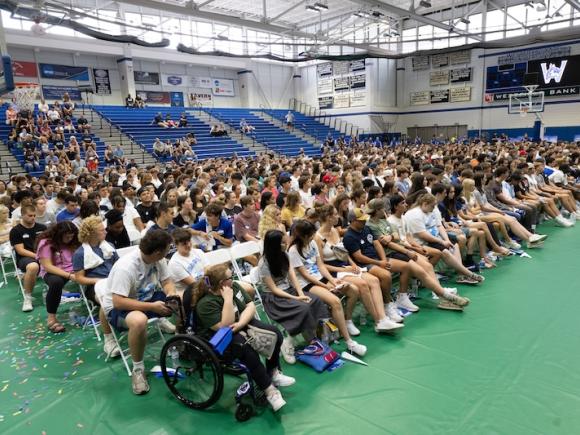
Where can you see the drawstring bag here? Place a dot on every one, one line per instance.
(261, 340)
(317, 355)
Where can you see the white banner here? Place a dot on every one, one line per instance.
(324, 86)
(420, 63)
(202, 82)
(460, 94)
(358, 98)
(439, 60)
(420, 98)
(199, 96)
(176, 80)
(460, 57)
(340, 68)
(439, 78)
(341, 100)
(223, 87)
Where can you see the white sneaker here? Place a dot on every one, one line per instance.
(166, 326)
(352, 330)
(403, 301)
(452, 290)
(563, 222)
(577, 213)
(139, 381)
(27, 304)
(281, 380)
(287, 350)
(514, 245)
(357, 348)
(392, 313)
(535, 238)
(572, 218)
(275, 399)
(111, 349)
(387, 324)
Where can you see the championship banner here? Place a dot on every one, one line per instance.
(202, 96)
(420, 63)
(176, 99)
(438, 78)
(324, 86)
(460, 75)
(102, 81)
(439, 60)
(223, 87)
(325, 102)
(358, 98)
(146, 78)
(358, 81)
(340, 68)
(324, 70)
(440, 96)
(459, 95)
(420, 98)
(357, 65)
(56, 92)
(24, 69)
(342, 100)
(176, 80)
(202, 82)
(459, 57)
(64, 72)
(155, 97)
(341, 84)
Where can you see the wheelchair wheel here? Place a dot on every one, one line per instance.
(192, 371)
(244, 412)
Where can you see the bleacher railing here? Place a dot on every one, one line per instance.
(340, 125)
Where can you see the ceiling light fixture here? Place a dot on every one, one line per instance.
(425, 3)
(312, 8)
(320, 5)
(464, 21)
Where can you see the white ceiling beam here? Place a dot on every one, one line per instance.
(574, 4)
(505, 11)
(290, 9)
(205, 3)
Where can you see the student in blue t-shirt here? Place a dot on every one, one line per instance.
(70, 210)
(216, 229)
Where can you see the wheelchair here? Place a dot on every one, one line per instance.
(194, 370)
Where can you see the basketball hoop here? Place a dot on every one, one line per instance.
(25, 94)
(524, 111)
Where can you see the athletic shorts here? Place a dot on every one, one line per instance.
(398, 256)
(437, 245)
(24, 262)
(309, 286)
(116, 317)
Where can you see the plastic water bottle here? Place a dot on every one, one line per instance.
(174, 355)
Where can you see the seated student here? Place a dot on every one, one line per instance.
(20, 199)
(313, 276)
(129, 101)
(159, 149)
(92, 262)
(215, 231)
(231, 207)
(70, 210)
(423, 221)
(292, 210)
(246, 223)
(83, 125)
(139, 103)
(145, 208)
(245, 127)
(221, 303)
(187, 265)
(116, 232)
(185, 216)
(545, 185)
(23, 240)
(183, 120)
(404, 262)
(55, 251)
(170, 122)
(327, 238)
(135, 291)
(285, 302)
(158, 120)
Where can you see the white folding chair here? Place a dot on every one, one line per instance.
(91, 308)
(242, 250)
(5, 256)
(219, 256)
(17, 272)
(100, 290)
(121, 252)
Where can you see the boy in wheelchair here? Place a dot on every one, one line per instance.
(220, 303)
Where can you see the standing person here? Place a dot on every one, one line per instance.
(92, 262)
(23, 240)
(313, 276)
(135, 291)
(221, 303)
(55, 250)
(289, 117)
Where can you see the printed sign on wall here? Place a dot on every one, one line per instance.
(56, 92)
(341, 84)
(176, 99)
(325, 102)
(324, 70)
(460, 75)
(146, 78)
(460, 57)
(439, 60)
(155, 97)
(102, 81)
(358, 98)
(440, 96)
(420, 63)
(325, 86)
(357, 65)
(439, 78)
(24, 69)
(420, 98)
(176, 80)
(358, 81)
(202, 82)
(223, 87)
(459, 95)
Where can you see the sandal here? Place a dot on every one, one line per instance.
(56, 327)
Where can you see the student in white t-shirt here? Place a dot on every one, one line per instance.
(423, 221)
(187, 265)
(313, 276)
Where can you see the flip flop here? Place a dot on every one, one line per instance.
(56, 327)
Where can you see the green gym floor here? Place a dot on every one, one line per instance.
(508, 365)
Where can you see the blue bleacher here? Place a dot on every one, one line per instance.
(275, 138)
(19, 153)
(136, 123)
(309, 124)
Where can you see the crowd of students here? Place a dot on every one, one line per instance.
(331, 227)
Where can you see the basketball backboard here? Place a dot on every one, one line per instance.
(6, 75)
(526, 102)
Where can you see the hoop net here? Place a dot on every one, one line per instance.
(524, 111)
(25, 94)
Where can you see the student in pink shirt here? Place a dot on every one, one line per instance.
(54, 252)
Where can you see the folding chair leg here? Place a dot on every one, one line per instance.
(3, 271)
(91, 318)
(121, 351)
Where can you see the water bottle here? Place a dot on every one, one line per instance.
(174, 355)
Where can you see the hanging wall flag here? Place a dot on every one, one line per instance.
(102, 81)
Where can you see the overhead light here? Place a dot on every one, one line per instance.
(464, 21)
(312, 8)
(425, 3)
(320, 5)
(557, 14)
(223, 37)
(358, 14)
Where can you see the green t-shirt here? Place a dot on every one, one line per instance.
(209, 309)
(380, 228)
